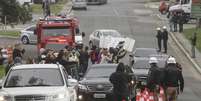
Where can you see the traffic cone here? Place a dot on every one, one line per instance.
(146, 94)
(161, 96)
(151, 96)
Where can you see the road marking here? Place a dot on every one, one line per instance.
(115, 11)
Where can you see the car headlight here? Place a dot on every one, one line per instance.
(5, 98)
(82, 87)
(59, 96)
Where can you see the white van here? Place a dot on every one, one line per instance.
(79, 4)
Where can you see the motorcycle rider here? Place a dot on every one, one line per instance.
(173, 79)
(120, 80)
(153, 80)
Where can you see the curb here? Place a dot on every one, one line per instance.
(11, 37)
(197, 67)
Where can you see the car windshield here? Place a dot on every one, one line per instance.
(111, 33)
(56, 31)
(144, 52)
(34, 77)
(98, 72)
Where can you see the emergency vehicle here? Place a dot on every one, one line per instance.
(55, 32)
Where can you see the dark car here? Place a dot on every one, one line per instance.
(141, 53)
(141, 67)
(95, 85)
(91, 2)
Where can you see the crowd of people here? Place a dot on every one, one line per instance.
(176, 18)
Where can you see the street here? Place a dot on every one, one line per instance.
(132, 19)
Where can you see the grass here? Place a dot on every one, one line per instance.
(188, 34)
(55, 8)
(2, 71)
(10, 33)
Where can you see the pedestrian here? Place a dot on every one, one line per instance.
(153, 79)
(159, 38)
(173, 79)
(93, 55)
(84, 59)
(171, 21)
(165, 38)
(180, 21)
(175, 21)
(120, 80)
(18, 51)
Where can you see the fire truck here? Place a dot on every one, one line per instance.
(56, 32)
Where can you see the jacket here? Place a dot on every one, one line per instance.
(159, 35)
(153, 77)
(165, 35)
(173, 77)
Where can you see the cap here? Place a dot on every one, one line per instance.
(171, 60)
(153, 60)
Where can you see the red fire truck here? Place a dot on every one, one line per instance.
(57, 32)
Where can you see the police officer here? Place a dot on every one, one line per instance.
(180, 21)
(120, 80)
(159, 38)
(165, 38)
(153, 80)
(173, 79)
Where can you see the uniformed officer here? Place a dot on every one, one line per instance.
(165, 38)
(159, 38)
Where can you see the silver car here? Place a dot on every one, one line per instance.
(27, 35)
(38, 82)
(94, 38)
(82, 4)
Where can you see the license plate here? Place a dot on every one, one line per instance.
(99, 95)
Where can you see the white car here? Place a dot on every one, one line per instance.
(94, 38)
(27, 35)
(79, 4)
(38, 82)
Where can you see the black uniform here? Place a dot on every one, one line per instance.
(153, 77)
(181, 21)
(174, 77)
(175, 21)
(120, 81)
(84, 59)
(159, 38)
(165, 40)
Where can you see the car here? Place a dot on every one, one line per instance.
(38, 82)
(82, 4)
(95, 84)
(141, 67)
(28, 36)
(141, 53)
(94, 38)
(90, 2)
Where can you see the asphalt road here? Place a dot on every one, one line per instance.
(132, 19)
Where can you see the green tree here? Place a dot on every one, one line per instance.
(14, 12)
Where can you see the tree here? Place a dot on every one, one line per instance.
(14, 12)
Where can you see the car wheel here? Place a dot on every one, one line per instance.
(25, 40)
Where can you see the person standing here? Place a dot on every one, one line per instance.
(120, 80)
(18, 51)
(84, 59)
(165, 38)
(159, 38)
(173, 79)
(153, 80)
(181, 21)
(175, 21)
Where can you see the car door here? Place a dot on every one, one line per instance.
(32, 36)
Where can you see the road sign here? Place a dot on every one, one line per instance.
(196, 9)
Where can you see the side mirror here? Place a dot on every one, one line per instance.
(83, 34)
(35, 32)
(72, 82)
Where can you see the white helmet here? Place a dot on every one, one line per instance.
(171, 60)
(158, 28)
(164, 27)
(153, 60)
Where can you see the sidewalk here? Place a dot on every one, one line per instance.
(66, 9)
(183, 43)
